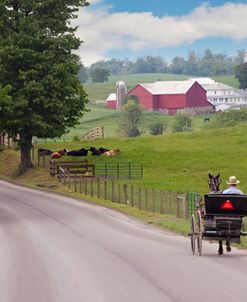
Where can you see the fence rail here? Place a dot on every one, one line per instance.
(97, 132)
(118, 170)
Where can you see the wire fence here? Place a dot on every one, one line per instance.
(180, 204)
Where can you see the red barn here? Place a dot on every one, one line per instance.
(111, 101)
(173, 97)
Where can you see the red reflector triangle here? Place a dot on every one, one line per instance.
(227, 205)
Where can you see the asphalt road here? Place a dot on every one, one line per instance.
(56, 249)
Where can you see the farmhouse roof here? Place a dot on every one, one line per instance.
(217, 86)
(241, 92)
(203, 80)
(168, 87)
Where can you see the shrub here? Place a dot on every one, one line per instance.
(182, 123)
(156, 129)
(133, 132)
(76, 138)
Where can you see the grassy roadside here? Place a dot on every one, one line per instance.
(39, 178)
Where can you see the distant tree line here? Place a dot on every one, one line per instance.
(209, 64)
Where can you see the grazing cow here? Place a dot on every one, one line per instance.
(44, 151)
(63, 152)
(95, 151)
(103, 150)
(59, 154)
(56, 155)
(80, 152)
(112, 152)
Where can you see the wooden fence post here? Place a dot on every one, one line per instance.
(98, 187)
(32, 153)
(91, 186)
(119, 193)
(80, 184)
(105, 189)
(129, 170)
(153, 200)
(126, 200)
(60, 175)
(146, 199)
(69, 182)
(132, 195)
(185, 206)
(139, 198)
(161, 202)
(85, 185)
(178, 205)
(112, 191)
(43, 157)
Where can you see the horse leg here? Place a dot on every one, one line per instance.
(220, 251)
(228, 247)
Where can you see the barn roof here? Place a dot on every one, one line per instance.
(168, 87)
(112, 97)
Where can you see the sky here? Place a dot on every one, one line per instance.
(128, 29)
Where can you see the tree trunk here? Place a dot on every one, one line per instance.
(25, 149)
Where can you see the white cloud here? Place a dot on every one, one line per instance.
(103, 32)
(94, 1)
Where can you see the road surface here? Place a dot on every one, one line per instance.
(57, 249)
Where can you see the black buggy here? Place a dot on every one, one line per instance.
(220, 218)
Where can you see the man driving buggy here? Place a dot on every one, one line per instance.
(232, 181)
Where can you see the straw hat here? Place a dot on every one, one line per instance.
(232, 180)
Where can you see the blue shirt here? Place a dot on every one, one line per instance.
(233, 190)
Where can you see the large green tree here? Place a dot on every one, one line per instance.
(241, 75)
(131, 117)
(100, 75)
(38, 66)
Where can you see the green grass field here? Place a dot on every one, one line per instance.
(179, 161)
(109, 119)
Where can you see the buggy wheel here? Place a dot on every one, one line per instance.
(199, 233)
(192, 234)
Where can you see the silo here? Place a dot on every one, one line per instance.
(121, 92)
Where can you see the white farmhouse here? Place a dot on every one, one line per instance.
(219, 93)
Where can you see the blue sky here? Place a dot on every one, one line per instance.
(168, 28)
